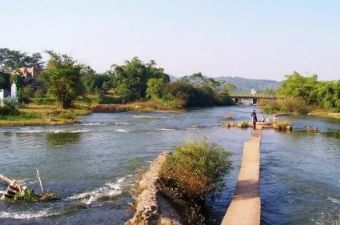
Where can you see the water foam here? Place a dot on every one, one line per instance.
(165, 129)
(122, 123)
(80, 131)
(110, 189)
(334, 200)
(30, 214)
(53, 131)
(30, 131)
(122, 131)
(91, 124)
(147, 117)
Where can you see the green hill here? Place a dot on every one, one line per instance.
(244, 84)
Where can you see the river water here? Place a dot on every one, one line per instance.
(93, 166)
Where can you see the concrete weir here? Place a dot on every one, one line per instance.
(245, 208)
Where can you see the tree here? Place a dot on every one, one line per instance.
(155, 89)
(11, 60)
(134, 75)
(328, 95)
(62, 78)
(325, 94)
(297, 85)
(4, 80)
(18, 80)
(228, 87)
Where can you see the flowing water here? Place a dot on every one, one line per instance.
(93, 166)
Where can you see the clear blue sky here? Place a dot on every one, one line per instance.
(253, 39)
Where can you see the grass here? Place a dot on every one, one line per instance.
(282, 125)
(243, 124)
(45, 111)
(29, 196)
(240, 124)
(139, 106)
(36, 114)
(325, 114)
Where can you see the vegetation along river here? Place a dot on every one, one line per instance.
(92, 166)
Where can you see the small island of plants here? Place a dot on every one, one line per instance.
(175, 188)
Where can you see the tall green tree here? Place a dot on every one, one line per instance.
(11, 60)
(324, 94)
(134, 75)
(62, 78)
(300, 86)
(156, 88)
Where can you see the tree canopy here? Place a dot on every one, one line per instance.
(131, 78)
(12, 59)
(325, 94)
(62, 78)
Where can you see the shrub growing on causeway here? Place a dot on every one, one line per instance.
(195, 169)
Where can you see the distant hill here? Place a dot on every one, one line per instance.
(244, 84)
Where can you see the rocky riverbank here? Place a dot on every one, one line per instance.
(151, 206)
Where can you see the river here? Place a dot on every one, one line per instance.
(93, 166)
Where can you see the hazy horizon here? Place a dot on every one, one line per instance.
(251, 39)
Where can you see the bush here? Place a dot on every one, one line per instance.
(282, 125)
(8, 110)
(107, 99)
(270, 106)
(294, 105)
(44, 101)
(25, 94)
(189, 95)
(288, 105)
(243, 124)
(223, 99)
(195, 169)
(66, 115)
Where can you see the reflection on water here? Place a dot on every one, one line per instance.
(332, 134)
(93, 165)
(62, 138)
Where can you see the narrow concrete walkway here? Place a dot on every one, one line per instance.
(245, 208)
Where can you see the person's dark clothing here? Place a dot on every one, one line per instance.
(253, 115)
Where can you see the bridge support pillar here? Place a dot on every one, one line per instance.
(255, 101)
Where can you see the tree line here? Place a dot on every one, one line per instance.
(67, 80)
(312, 92)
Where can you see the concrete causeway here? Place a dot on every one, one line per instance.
(245, 208)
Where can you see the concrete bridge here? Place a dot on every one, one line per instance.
(255, 99)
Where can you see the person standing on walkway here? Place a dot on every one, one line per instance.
(254, 118)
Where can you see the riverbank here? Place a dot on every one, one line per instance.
(52, 114)
(296, 106)
(325, 114)
(37, 115)
(138, 106)
(151, 206)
